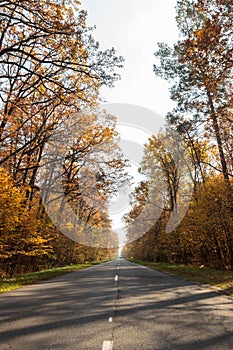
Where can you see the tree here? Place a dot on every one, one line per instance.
(51, 70)
(92, 168)
(20, 235)
(50, 67)
(200, 65)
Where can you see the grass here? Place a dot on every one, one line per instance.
(220, 279)
(8, 284)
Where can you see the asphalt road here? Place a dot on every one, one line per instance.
(117, 305)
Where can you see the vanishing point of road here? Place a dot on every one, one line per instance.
(116, 305)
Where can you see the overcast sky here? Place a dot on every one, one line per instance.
(133, 28)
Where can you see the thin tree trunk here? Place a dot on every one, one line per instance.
(218, 137)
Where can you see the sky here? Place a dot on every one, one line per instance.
(134, 28)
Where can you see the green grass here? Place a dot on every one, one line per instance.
(8, 284)
(221, 279)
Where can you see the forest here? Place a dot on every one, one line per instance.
(51, 74)
(199, 69)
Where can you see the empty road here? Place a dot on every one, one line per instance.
(116, 305)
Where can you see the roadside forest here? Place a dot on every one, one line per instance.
(199, 68)
(51, 73)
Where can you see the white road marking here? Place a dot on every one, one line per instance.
(116, 278)
(110, 319)
(118, 268)
(107, 345)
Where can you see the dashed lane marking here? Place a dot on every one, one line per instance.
(110, 319)
(116, 278)
(107, 345)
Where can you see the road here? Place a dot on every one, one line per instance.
(116, 305)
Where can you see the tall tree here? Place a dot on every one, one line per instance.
(200, 66)
(50, 66)
(51, 69)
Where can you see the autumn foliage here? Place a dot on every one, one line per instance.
(51, 72)
(199, 67)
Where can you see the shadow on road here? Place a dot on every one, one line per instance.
(154, 309)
